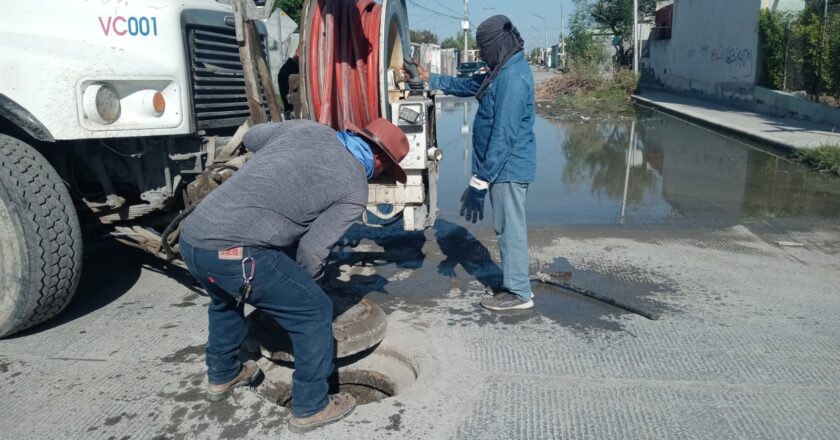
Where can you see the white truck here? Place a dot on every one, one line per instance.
(111, 117)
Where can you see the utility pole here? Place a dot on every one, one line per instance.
(823, 44)
(561, 23)
(562, 38)
(636, 37)
(466, 26)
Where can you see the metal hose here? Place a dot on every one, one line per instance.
(164, 239)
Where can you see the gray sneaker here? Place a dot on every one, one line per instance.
(492, 291)
(506, 301)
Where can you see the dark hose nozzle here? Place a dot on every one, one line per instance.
(415, 83)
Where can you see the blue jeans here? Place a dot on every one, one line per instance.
(282, 289)
(508, 202)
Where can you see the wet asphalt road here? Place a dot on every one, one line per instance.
(653, 211)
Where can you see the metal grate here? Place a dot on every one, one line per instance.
(218, 84)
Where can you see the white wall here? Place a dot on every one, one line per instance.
(713, 50)
(428, 55)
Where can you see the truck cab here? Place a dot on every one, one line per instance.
(107, 109)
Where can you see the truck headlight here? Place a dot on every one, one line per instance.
(101, 104)
(121, 104)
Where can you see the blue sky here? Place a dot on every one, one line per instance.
(442, 22)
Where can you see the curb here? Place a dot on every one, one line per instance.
(764, 141)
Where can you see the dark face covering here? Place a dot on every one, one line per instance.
(498, 40)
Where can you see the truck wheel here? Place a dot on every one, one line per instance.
(40, 239)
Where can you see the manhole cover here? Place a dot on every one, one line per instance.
(358, 325)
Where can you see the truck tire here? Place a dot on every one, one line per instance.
(40, 239)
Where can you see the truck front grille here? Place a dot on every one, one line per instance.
(218, 84)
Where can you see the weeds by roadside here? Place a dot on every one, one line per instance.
(825, 159)
(587, 93)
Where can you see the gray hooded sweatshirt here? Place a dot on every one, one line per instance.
(302, 187)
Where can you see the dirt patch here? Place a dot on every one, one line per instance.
(565, 85)
(830, 101)
(183, 304)
(111, 421)
(186, 355)
(396, 422)
(236, 418)
(582, 96)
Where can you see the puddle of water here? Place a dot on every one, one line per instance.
(654, 169)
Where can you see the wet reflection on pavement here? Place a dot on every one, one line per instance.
(651, 170)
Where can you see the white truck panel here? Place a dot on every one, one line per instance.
(50, 49)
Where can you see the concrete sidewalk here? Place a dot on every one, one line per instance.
(782, 133)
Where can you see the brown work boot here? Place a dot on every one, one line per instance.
(338, 407)
(249, 374)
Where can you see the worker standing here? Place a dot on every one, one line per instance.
(304, 187)
(504, 147)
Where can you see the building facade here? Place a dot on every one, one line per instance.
(707, 48)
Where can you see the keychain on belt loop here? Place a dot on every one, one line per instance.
(247, 277)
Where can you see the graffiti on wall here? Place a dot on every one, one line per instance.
(740, 61)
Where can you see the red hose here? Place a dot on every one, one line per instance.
(344, 61)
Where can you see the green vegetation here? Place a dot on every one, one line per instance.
(423, 37)
(773, 34)
(292, 8)
(593, 86)
(605, 16)
(807, 40)
(617, 16)
(583, 51)
(825, 159)
(457, 41)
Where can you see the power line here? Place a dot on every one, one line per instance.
(427, 9)
(445, 7)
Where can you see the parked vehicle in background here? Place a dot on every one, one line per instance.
(469, 69)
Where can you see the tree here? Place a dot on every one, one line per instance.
(583, 51)
(457, 42)
(292, 8)
(423, 37)
(617, 16)
(773, 35)
(534, 56)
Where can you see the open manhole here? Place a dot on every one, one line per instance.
(366, 386)
(369, 377)
(358, 325)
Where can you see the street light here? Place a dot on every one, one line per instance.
(545, 24)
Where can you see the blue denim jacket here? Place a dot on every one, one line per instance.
(503, 133)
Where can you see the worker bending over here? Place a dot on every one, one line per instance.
(504, 151)
(304, 187)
